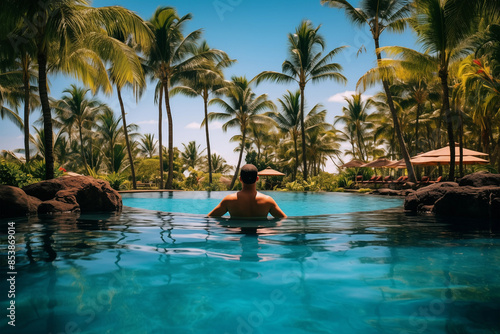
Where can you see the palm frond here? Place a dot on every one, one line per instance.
(184, 90)
(355, 15)
(272, 76)
(337, 77)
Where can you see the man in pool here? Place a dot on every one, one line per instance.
(248, 203)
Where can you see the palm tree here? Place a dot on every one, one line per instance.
(322, 140)
(379, 16)
(219, 164)
(442, 27)
(22, 61)
(323, 144)
(148, 145)
(108, 127)
(205, 82)
(357, 122)
(69, 36)
(306, 63)
(192, 156)
(170, 60)
(75, 110)
(480, 90)
(10, 95)
(241, 110)
(133, 77)
(288, 120)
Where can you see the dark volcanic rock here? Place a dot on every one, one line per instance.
(467, 201)
(477, 195)
(416, 200)
(495, 207)
(13, 202)
(44, 190)
(64, 194)
(481, 179)
(389, 192)
(80, 193)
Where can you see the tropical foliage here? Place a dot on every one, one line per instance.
(444, 91)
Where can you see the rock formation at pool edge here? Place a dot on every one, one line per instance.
(476, 195)
(64, 194)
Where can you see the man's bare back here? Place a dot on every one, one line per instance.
(248, 203)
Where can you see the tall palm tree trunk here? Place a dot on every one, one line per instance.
(170, 177)
(461, 144)
(26, 82)
(160, 136)
(443, 75)
(397, 128)
(80, 134)
(47, 117)
(205, 103)
(296, 150)
(235, 176)
(91, 148)
(303, 132)
(125, 131)
(417, 120)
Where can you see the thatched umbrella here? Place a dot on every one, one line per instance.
(382, 162)
(445, 151)
(270, 172)
(353, 163)
(445, 159)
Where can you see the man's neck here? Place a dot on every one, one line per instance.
(249, 187)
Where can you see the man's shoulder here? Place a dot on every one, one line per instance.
(230, 197)
(265, 197)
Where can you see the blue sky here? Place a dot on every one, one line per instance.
(255, 34)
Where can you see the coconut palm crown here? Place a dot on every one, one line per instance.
(242, 109)
(306, 63)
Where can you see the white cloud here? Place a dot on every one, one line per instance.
(339, 97)
(213, 125)
(193, 125)
(152, 121)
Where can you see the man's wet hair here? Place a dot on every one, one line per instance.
(248, 174)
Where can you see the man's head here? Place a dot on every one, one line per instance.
(248, 174)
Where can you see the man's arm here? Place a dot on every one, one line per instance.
(275, 210)
(219, 210)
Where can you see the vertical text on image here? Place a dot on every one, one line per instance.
(11, 273)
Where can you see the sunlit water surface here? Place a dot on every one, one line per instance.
(154, 272)
(292, 203)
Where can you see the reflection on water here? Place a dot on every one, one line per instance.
(154, 272)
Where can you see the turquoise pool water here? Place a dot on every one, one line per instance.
(145, 271)
(292, 203)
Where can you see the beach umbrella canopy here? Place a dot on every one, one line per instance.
(353, 163)
(382, 162)
(270, 172)
(444, 160)
(397, 164)
(445, 151)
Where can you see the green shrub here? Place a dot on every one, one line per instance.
(216, 185)
(483, 168)
(323, 182)
(344, 181)
(297, 185)
(115, 180)
(12, 175)
(37, 169)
